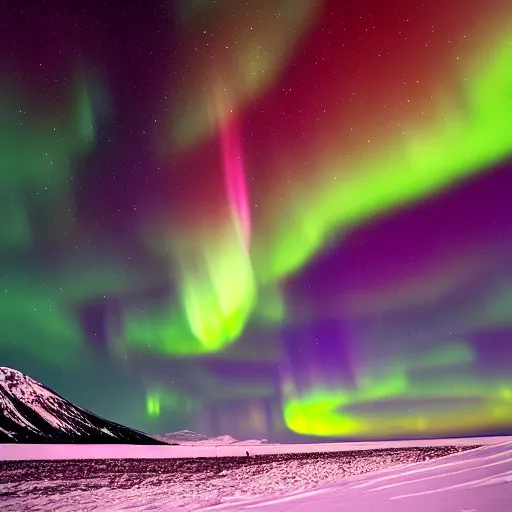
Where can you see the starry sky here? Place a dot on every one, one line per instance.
(282, 219)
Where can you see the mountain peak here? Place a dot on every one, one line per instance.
(13, 379)
(5, 372)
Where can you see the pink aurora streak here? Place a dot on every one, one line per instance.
(234, 177)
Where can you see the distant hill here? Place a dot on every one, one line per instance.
(191, 437)
(33, 413)
(182, 436)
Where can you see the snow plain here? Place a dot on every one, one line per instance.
(365, 477)
(214, 448)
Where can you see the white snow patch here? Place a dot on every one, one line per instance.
(10, 434)
(107, 431)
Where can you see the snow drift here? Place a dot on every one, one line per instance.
(479, 480)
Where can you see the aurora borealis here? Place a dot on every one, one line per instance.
(280, 219)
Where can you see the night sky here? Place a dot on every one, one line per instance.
(287, 219)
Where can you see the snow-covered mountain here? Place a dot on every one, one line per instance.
(32, 413)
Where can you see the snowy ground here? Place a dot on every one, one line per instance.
(475, 481)
(186, 483)
(422, 479)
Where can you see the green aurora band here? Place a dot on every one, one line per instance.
(471, 402)
(37, 182)
(465, 141)
(220, 291)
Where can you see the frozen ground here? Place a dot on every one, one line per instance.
(474, 481)
(419, 479)
(189, 484)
